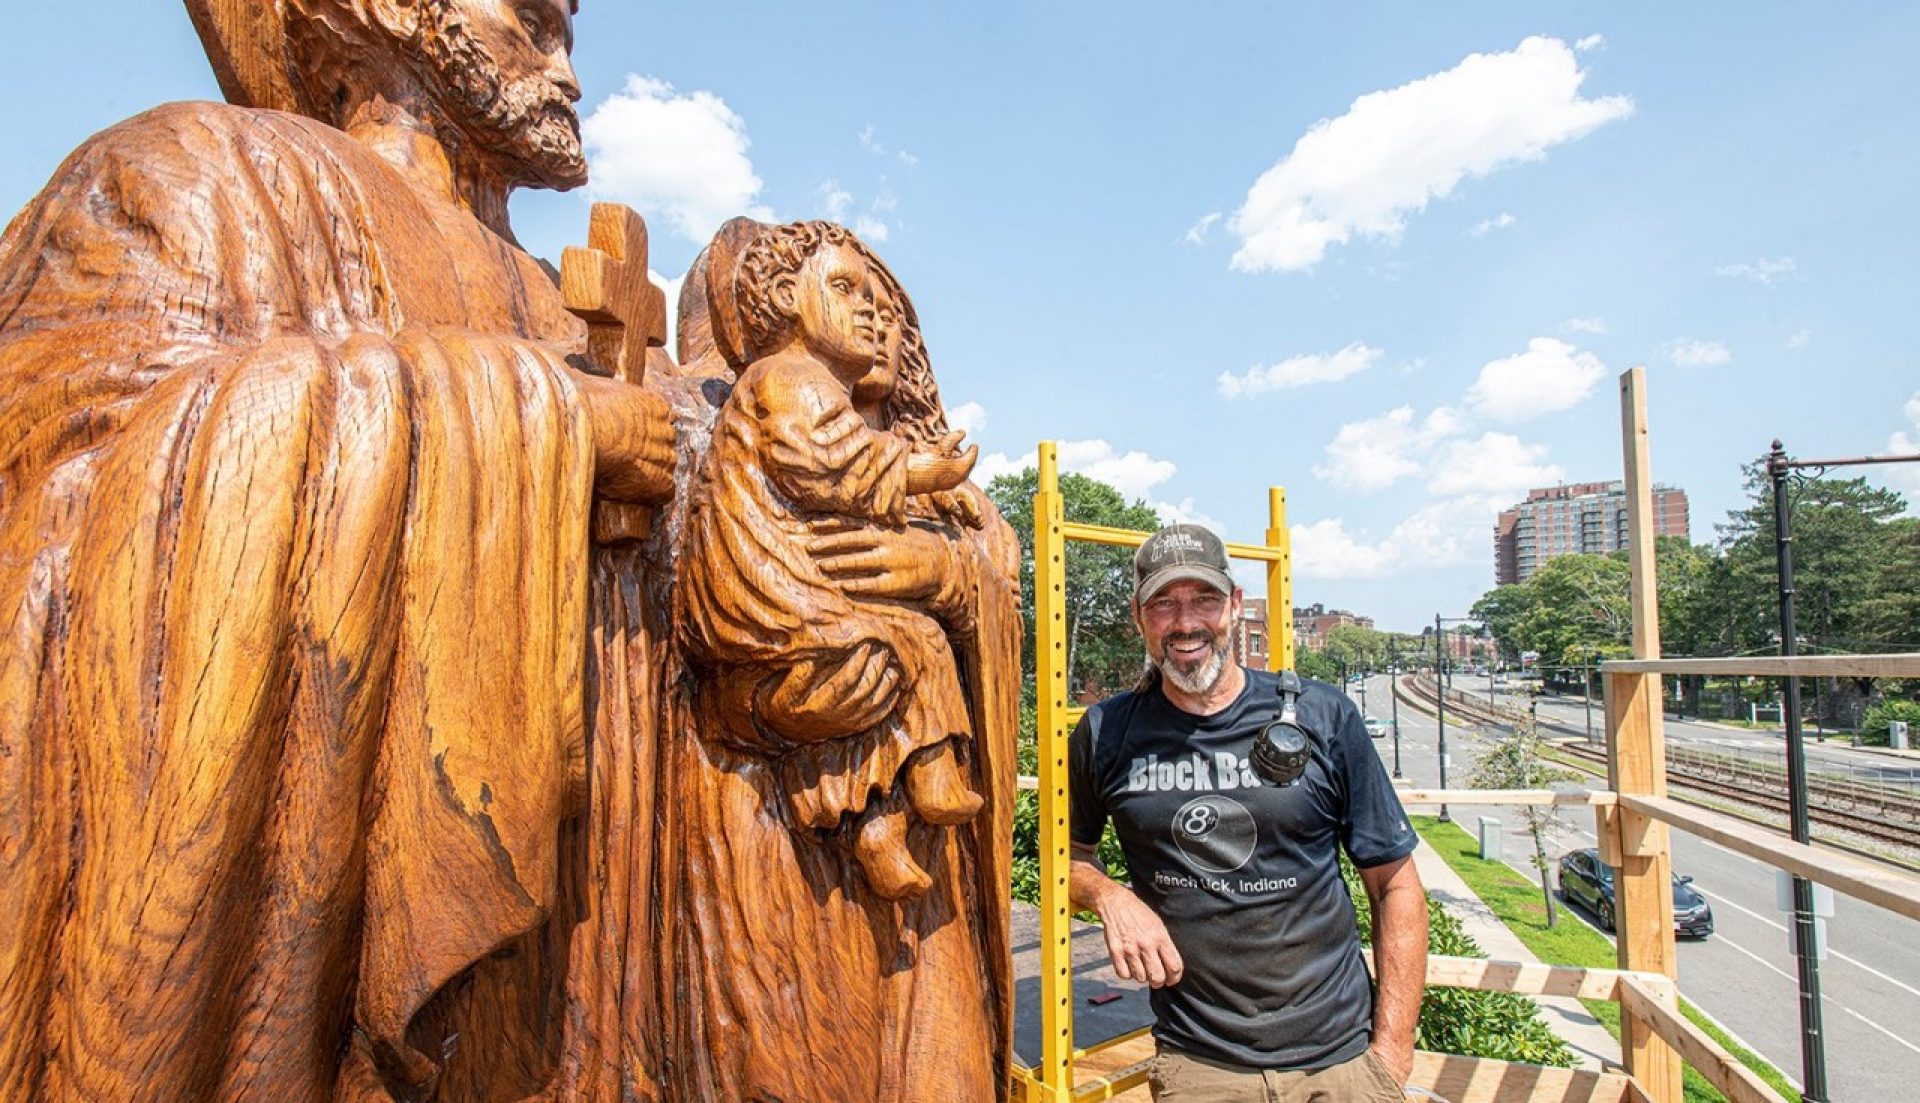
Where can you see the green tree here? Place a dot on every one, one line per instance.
(1515, 761)
(1891, 617)
(1357, 647)
(1502, 609)
(1103, 650)
(1842, 540)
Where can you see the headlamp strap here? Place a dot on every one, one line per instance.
(1289, 689)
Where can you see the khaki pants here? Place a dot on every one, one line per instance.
(1183, 1078)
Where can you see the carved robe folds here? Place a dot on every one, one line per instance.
(294, 579)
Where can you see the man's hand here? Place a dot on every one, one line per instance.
(1137, 940)
(1398, 1059)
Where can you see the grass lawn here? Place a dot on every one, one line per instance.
(1516, 900)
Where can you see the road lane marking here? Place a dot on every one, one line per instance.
(1848, 958)
(1876, 1026)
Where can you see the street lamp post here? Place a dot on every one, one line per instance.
(1393, 694)
(1586, 693)
(1440, 707)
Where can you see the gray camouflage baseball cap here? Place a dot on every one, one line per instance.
(1180, 552)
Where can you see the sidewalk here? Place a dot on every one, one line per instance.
(1590, 1041)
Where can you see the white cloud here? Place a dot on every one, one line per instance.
(1590, 42)
(1393, 151)
(1487, 225)
(1688, 352)
(681, 160)
(1197, 233)
(671, 287)
(836, 204)
(1905, 477)
(835, 201)
(1586, 325)
(1498, 465)
(1184, 512)
(1325, 549)
(969, 418)
(872, 145)
(1801, 338)
(1551, 375)
(1374, 453)
(1298, 371)
(1133, 474)
(1762, 271)
(1438, 534)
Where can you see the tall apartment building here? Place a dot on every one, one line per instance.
(1577, 517)
(1251, 636)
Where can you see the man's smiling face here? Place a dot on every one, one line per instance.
(1187, 626)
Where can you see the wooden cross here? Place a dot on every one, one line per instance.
(606, 285)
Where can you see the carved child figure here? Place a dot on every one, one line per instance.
(801, 448)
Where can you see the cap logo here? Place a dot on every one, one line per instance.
(1171, 542)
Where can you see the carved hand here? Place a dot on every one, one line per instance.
(819, 699)
(632, 440)
(902, 564)
(930, 471)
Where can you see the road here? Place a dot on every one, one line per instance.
(1743, 975)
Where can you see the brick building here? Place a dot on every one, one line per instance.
(1311, 625)
(1250, 637)
(1590, 518)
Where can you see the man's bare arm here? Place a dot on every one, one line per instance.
(1137, 940)
(1399, 959)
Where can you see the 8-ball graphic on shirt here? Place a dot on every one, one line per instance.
(1215, 833)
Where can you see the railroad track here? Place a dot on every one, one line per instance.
(1902, 830)
(1879, 812)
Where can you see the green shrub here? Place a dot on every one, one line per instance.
(1026, 831)
(1874, 731)
(1501, 1025)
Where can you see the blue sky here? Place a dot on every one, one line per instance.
(1391, 257)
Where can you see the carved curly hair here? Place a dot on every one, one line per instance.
(913, 409)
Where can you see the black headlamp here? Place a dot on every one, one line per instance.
(1281, 750)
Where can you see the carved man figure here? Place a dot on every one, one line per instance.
(294, 484)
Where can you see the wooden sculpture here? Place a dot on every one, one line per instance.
(381, 716)
(294, 571)
(846, 616)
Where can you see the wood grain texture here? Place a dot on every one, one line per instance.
(295, 474)
(842, 788)
(393, 703)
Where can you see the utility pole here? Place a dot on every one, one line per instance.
(1440, 706)
(1813, 1050)
(1586, 693)
(1393, 692)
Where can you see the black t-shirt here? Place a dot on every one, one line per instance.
(1245, 875)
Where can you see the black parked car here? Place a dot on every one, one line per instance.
(1587, 881)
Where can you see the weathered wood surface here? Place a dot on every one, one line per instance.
(342, 757)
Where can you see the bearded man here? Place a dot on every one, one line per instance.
(1237, 917)
(295, 473)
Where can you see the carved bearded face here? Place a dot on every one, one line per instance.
(500, 71)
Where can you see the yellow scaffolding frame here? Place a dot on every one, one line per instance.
(1052, 1081)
